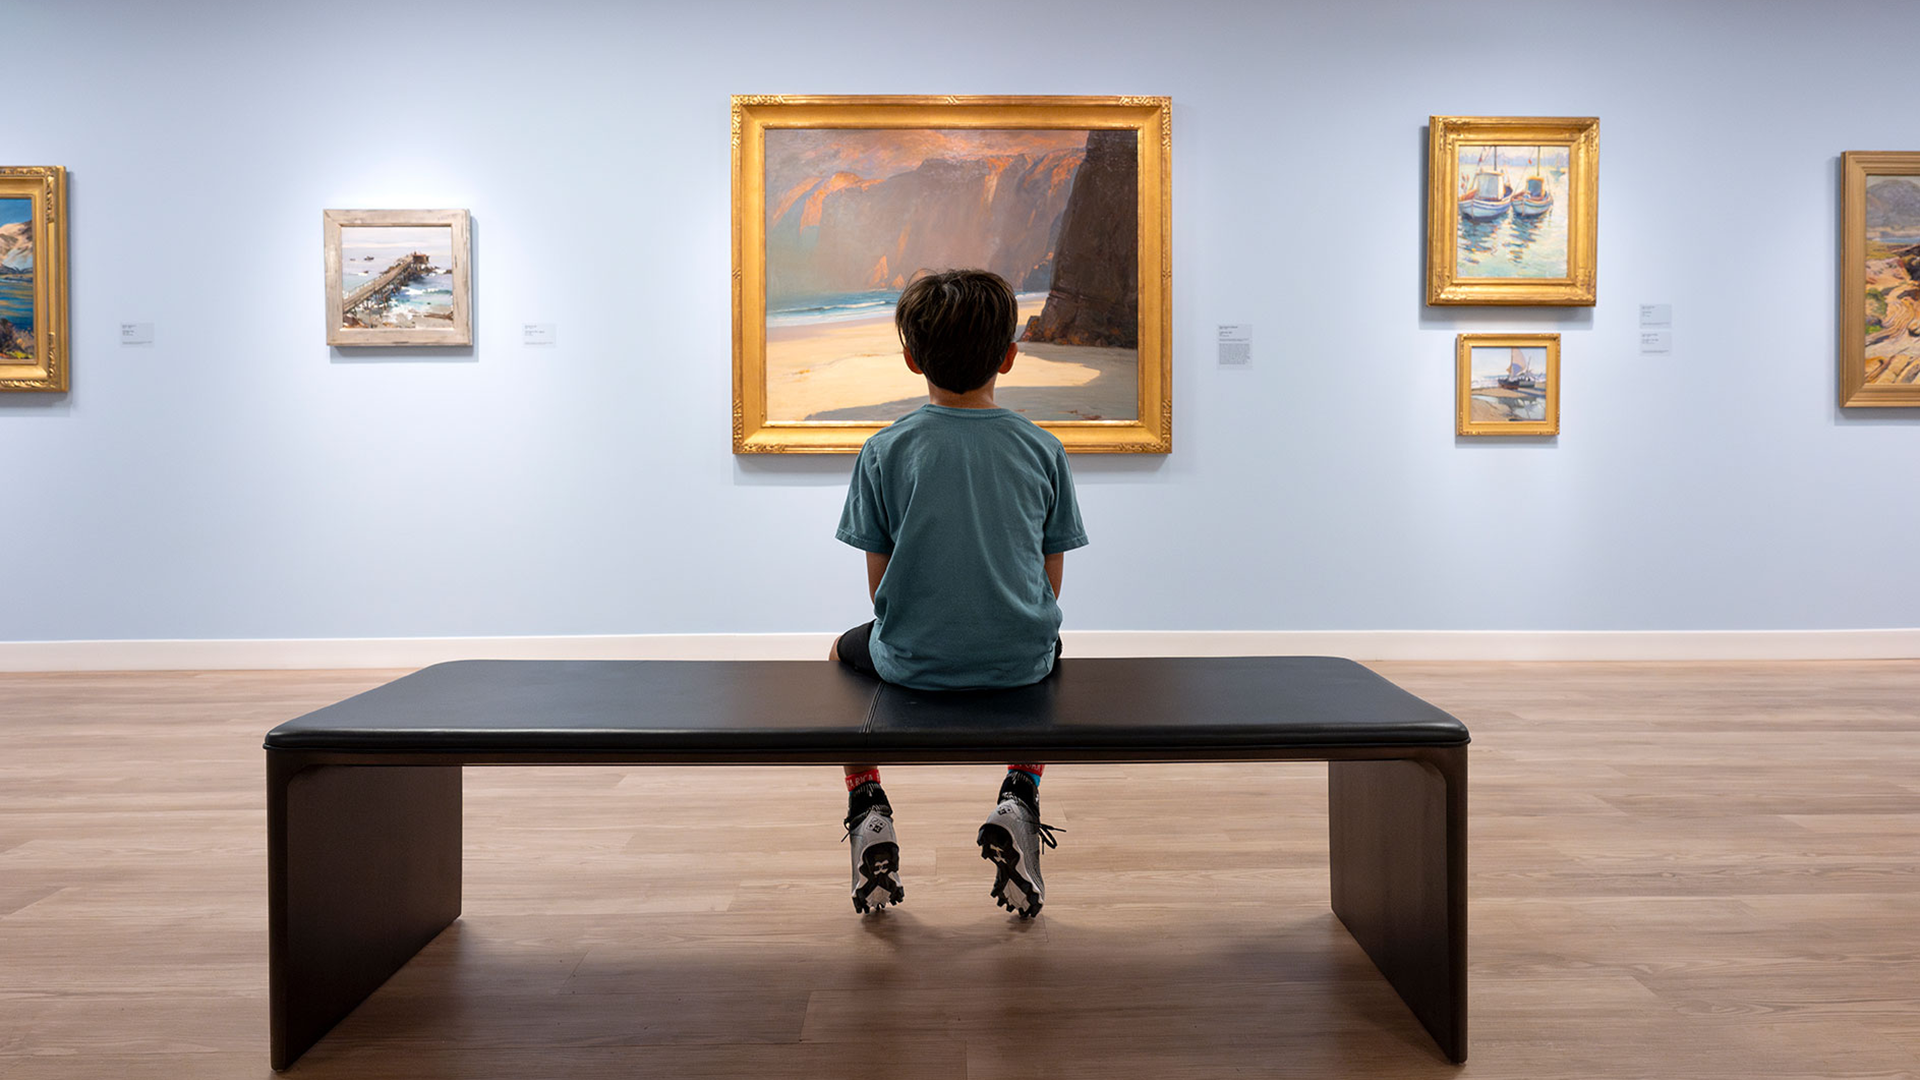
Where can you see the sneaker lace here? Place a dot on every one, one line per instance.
(1045, 832)
(852, 820)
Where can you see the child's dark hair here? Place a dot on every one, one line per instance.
(957, 325)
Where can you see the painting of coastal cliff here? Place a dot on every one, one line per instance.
(16, 281)
(1893, 280)
(1511, 211)
(851, 215)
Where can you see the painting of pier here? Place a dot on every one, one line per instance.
(397, 277)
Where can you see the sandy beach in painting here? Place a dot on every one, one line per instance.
(851, 370)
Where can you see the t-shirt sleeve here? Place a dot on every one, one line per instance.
(863, 521)
(1063, 530)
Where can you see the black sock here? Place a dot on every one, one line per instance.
(1022, 786)
(866, 797)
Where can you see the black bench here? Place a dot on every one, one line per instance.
(363, 797)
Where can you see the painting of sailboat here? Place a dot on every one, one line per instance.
(1534, 200)
(1508, 228)
(1488, 195)
(1508, 384)
(1512, 209)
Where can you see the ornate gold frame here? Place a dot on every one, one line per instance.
(753, 433)
(1855, 390)
(461, 333)
(1445, 136)
(1463, 346)
(46, 185)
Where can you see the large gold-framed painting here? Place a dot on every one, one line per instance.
(839, 201)
(33, 278)
(1880, 249)
(1512, 209)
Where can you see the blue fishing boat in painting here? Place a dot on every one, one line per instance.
(1534, 199)
(1489, 195)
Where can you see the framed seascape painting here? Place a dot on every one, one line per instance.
(33, 278)
(1507, 384)
(838, 202)
(1880, 274)
(397, 277)
(1512, 207)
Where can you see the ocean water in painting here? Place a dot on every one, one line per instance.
(403, 276)
(1512, 212)
(16, 279)
(852, 215)
(1507, 383)
(1893, 280)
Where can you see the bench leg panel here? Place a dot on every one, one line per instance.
(363, 867)
(1398, 850)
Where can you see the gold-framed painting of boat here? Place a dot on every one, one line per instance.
(1507, 384)
(1512, 209)
(1880, 267)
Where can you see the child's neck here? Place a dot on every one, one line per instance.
(980, 397)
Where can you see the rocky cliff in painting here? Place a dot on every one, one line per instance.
(1095, 296)
(15, 343)
(843, 233)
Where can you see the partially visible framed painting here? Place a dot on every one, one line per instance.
(397, 277)
(839, 201)
(1512, 209)
(33, 278)
(1507, 384)
(1880, 275)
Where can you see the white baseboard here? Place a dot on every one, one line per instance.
(1483, 645)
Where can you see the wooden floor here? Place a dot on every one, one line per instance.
(1678, 871)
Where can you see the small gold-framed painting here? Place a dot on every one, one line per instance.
(1507, 384)
(838, 202)
(1512, 209)
(397, 277)
(1880, 252)
(33, 278)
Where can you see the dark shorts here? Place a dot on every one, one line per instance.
(856, 650)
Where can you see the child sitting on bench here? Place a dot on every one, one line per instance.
(965, 511)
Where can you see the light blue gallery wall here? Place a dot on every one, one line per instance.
(238, 479)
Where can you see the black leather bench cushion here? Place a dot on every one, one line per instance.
(762, 708)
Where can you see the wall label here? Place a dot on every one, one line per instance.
(1656, 342)
(136, 333)
(1236, 344)
(1655, 315)
(537, 333)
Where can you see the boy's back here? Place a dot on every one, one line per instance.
(967, 503)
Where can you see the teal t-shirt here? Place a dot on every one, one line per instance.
(966, 502)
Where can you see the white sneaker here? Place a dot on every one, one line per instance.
(1011, 840)
(876, 860)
